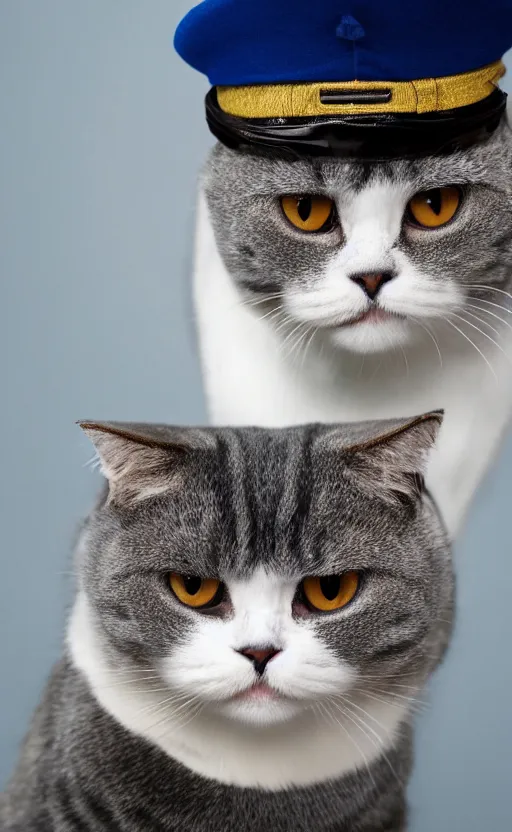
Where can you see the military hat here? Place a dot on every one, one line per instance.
(370, 79)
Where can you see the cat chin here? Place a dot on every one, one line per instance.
(261, 714)
(372, 338)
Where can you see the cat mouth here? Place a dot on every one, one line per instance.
(374, 315)
(259, 692)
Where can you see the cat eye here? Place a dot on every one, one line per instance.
(330, 592)
(434, 208)
(196, 592)
(309, 213)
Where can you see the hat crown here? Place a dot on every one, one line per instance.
(240, 42)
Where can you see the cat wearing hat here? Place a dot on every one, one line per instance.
(354, 232)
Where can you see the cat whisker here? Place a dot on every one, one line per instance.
(417, 703)
(299, 343)
(479, 351)
(348, 700)
(376, 370)
(491, 303)
(168, 704)
(388, 679)
(482, 321)
(295, 328)
(387, 697)
(492, 314)
(196, 712)
(260, 301)
(294, 347)
(127, 682)
(486, 288)
(289, 352)
(93, 463)
(148, 689)
(181, 723)
(432, 336)
(178, 726)
(332, 717)
(394, 350)
(252, 303)
(389, 701)
(385, 681)
(300, 347)
(308, 344)
(130, 676)
(287, 321)
(274, 313)
(124, 679)
(461, 318)
(378, 741)
(405, 360)
(360, 724)
(128, 670)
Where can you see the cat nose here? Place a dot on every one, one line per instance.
(372, 282)
(259, 658)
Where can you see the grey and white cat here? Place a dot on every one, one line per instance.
(257, 613)
(289, 332)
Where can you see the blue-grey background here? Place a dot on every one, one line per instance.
(101, 138)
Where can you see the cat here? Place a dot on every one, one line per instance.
(257, 612)
(372, 316)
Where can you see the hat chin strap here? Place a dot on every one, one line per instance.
(373, 137)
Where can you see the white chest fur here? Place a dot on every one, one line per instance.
(251, 379)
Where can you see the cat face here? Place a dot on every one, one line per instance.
(371, 255)
(259, 574)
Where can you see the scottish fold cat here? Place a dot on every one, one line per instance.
(329, 290)
(257, 613)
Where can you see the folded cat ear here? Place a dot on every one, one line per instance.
(141, 461)
(390, 458)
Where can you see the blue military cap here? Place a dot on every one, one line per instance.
(365, 78)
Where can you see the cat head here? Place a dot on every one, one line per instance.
(258, 573)
(374, 256)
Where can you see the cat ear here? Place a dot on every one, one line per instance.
(390, 458)
(141, 461)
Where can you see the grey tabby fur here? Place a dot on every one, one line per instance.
(223, 503)
(267, 257)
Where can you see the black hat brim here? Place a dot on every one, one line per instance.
(370, 137)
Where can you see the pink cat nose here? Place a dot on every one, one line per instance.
(259, 658)
(372, 282)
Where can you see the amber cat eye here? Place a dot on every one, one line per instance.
(434, 208)
(331, 592)
(309, 213)
(196, 592)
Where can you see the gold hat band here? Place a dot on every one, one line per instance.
(360, 97)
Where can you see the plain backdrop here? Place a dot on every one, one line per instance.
(102, 135)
